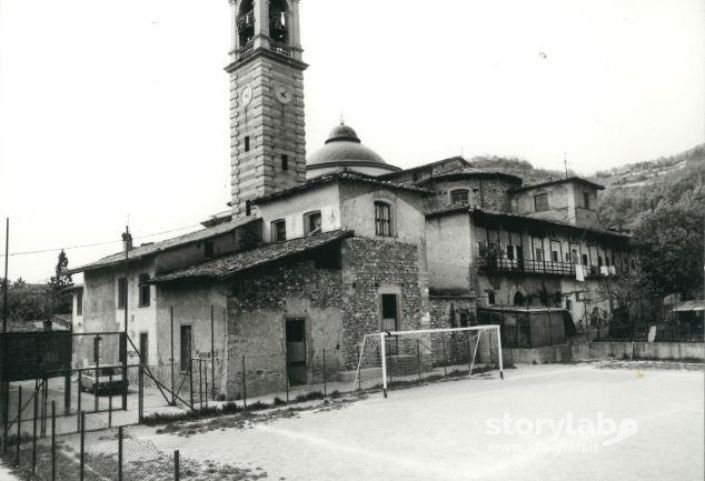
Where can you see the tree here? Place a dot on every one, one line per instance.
(669, 245)
(60, 281)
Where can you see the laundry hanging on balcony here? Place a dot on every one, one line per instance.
(580, 273)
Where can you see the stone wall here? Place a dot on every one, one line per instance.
(370, 268)
(339, 299)
(452, 312)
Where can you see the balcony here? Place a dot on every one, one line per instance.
(503, 265)
(488, 265)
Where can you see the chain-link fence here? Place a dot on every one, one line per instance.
(94, 453)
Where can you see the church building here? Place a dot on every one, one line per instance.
(318, 250)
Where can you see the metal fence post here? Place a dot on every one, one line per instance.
(173, 396)
(78, 409)
(469, 355)
(359, 373)
(45, 400)
(445, 359)
(244, 383)
(190, 380)
(34, 431)
(418, 358)
(53, 441)
(177, 471)
(96, 386)
(200, 382)
(205, 380)
(120, 437)
(110, 401)
(83, 445)
(325, 377)
(19, 424)
(213, 352)
(140, 393)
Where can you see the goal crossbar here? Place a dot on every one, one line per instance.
(383, 335)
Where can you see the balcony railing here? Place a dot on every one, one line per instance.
(490, 264)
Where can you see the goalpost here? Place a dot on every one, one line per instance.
(399, 357)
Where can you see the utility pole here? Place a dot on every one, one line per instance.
(127, 242)
(6, 285)
(4, 384)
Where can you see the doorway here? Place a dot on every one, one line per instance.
(185, 348)
(144, 348)
(296, 351)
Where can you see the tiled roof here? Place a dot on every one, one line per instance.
(561, 180)
(345, 176)
(225, 267)
(156, 247)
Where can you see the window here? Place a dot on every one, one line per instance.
(383, 219)
(585, 259)
(208, 250)
(575, 256)
(312, 223)
(459, 196)
(285, 162)
(278, 230)
(541, 202)
(599, 261)
(510, 252)
(491, 300)
(247, 143)
(569, 304)
(539, 254)
(79, 302)
(390, 317)
(185, 347)
(586, 199)
(144, 290)
(482, 248)
(555, 256)
(122, 293)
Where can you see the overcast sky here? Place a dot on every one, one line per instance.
(114, 108)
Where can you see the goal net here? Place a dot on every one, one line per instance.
(389, 359)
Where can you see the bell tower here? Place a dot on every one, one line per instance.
(267, 127)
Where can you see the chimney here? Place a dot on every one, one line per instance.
(126, 240)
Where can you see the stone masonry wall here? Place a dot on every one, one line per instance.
(370, 267)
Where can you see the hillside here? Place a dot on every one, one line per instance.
(633, 190)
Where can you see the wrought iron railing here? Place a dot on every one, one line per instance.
(489, 264)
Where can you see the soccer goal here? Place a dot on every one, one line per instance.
(407, 357)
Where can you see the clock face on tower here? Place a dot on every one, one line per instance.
(283, 94)
(246, 95)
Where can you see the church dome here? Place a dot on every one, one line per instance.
(343, 150)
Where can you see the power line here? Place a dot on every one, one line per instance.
(97, 244)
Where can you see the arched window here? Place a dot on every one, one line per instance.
(383, 219)
(246, 23)
(459, 196)
(278, 22)
(519, 299)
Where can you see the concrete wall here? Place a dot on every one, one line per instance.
(566, 203)
(191, 304)
(449, 251)
(669, 351)
(292, 210)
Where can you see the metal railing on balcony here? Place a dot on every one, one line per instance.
(490, 264)
(280, 48)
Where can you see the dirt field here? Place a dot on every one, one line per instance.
(634, 421)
